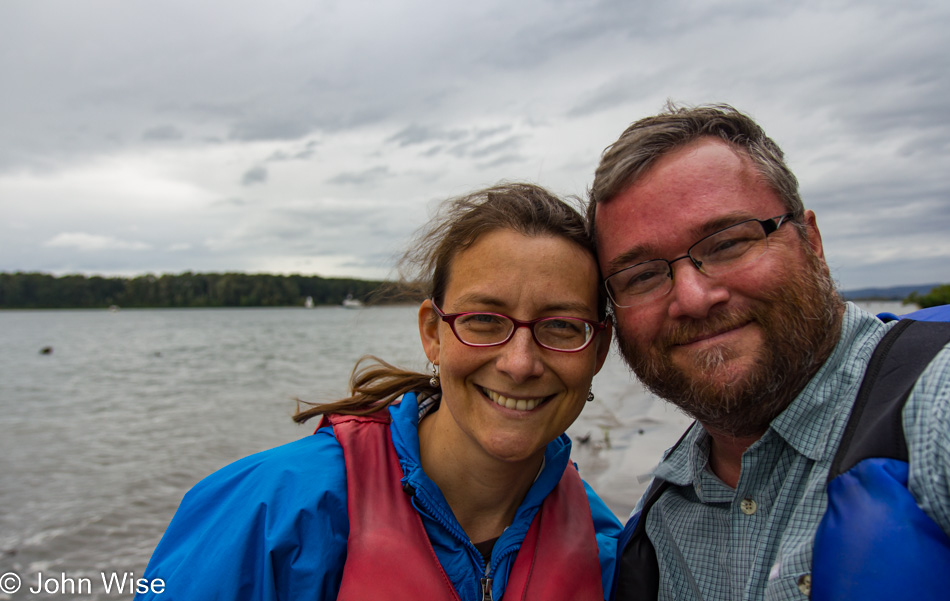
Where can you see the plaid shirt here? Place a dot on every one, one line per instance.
(755, 542)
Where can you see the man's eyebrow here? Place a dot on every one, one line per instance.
(722, 222)
(645, 252)
(630, 257)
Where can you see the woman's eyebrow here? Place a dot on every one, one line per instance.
(569, 307)
(477, 298)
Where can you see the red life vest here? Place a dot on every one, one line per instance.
(389, 555)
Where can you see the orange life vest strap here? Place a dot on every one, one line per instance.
(562, 545)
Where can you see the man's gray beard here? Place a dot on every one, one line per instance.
(801, 323)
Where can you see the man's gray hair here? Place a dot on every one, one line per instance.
(646, 140)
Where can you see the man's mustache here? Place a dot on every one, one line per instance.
(685, 332)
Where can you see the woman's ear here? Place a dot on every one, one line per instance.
(429, 331)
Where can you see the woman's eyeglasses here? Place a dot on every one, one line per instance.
(564, 334)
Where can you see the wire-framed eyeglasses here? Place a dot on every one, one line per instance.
(563, 334)
(717, 254)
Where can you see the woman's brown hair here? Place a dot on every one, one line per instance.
(426, 266)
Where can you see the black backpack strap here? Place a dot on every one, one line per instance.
(638, 572)
(875, 428)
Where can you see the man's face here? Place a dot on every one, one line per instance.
(734, 350)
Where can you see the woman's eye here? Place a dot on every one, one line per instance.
(563, 327)
(484, 318)
(480, 320)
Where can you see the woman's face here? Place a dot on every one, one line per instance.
(524, 277)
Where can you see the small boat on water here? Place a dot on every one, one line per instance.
(351, 303)
(308, 304)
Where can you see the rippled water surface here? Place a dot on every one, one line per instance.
(102, 436)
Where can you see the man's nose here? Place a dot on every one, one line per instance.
(694, 293)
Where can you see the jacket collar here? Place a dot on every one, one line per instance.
(405, 434)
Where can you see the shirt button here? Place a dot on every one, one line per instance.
(747, 506)
(804, 584)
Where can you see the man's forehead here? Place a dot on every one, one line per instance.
(635, 241)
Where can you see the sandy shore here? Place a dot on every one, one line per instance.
(621, 435)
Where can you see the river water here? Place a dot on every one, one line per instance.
(104, 434)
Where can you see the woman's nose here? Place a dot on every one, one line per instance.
(520, 357)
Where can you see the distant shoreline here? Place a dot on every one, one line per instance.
(22, 290)
(35, 290)
(892, 293)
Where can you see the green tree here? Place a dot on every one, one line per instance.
(939, 295)
(22, 290)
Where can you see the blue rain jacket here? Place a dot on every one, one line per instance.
(274, 525)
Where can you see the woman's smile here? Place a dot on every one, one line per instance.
(521, 403)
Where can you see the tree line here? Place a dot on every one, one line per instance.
(940, 295)
(44, 291)
(22, 290)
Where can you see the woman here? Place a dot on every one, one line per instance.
(450, 485)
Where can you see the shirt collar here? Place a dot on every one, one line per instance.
(807, 423)
(687, 458)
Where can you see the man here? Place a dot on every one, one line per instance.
(724, 306)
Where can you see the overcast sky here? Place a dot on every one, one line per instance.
(314, 137)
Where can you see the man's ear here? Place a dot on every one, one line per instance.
(429, 331)
(813, 235)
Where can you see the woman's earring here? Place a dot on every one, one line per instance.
(590, 395)
(434, 380)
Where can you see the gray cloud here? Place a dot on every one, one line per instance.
(163, 133)
(500, 161)
(299, 153)
(505, 145)
(366, 177)
(272, 128)
(417, 134)
(85, 242)
(475, 143)
(229, 202)
(255, 175)
(606, 97)
(128, 121)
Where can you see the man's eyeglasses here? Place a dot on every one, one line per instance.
(564, 334)
(717, 254)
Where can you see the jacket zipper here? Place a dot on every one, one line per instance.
(486, 586)
(486, 581)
